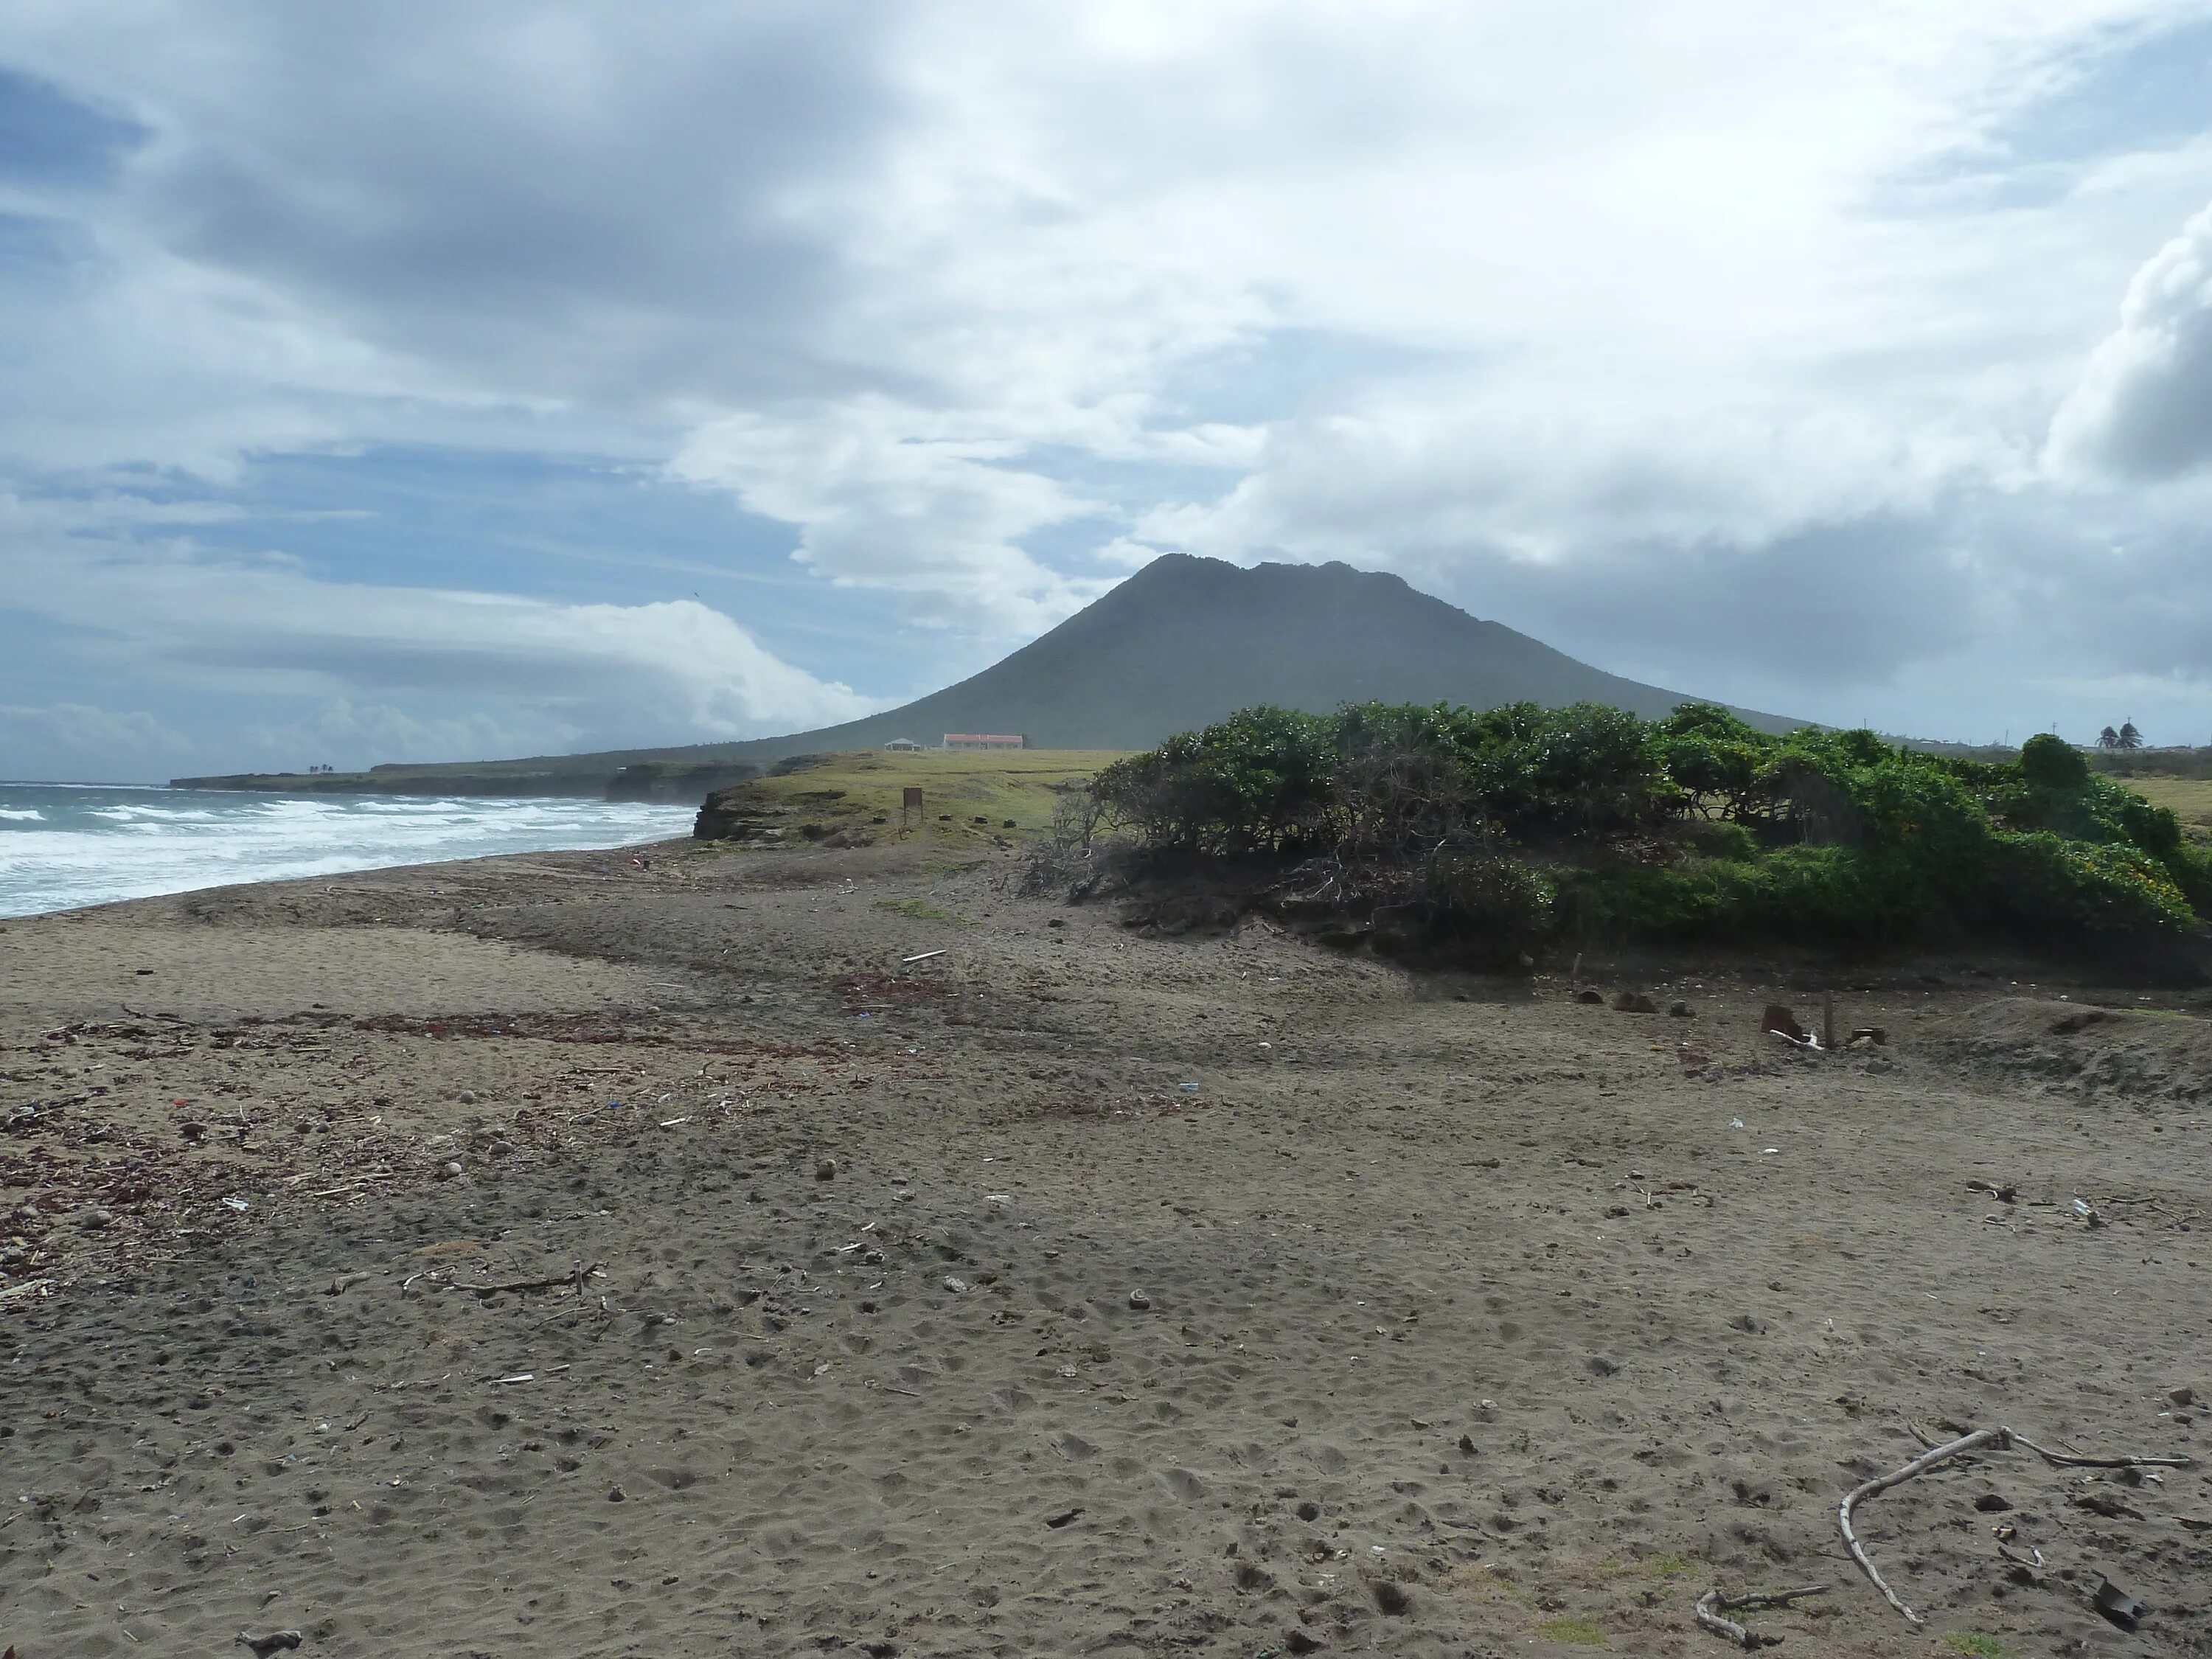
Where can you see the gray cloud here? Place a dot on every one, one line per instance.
(546, 199)
(1841, 605)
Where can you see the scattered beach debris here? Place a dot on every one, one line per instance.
(1712, 1606)
(575, 1278)
(2119, 1604)
(1996, 1439)
(1781, 1020)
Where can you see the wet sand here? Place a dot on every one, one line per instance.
(1073, 1291)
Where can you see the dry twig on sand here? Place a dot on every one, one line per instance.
(1996, 1439)
(1712, 1605)
(576, 1276)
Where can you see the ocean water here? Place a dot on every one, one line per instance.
(66, 844)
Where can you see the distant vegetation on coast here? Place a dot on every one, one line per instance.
(1498, 832)
(970, 798)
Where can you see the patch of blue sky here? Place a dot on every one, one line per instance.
(567, 530)
(2141, 91)
(2127, 92)
(37, 247)
(49, 138)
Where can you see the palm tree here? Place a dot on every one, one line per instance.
(2130, 738)
(2108, 738)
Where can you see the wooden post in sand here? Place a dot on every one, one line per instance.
(910, 808)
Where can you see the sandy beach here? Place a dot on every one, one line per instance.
(544, 1256)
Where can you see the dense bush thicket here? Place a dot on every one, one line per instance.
(1507, 827)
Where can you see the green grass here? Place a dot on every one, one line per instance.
(848, 791)
(2189, 799)
(1667, 1566)
(916, 909)
(1582, 1633)
(1973, 1642)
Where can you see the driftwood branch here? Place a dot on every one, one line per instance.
(1712, 1605)
(2069, 1461)
(576, 1276)
(1996, 1439)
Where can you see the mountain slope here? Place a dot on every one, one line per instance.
(1187, 641)
(1184, 642)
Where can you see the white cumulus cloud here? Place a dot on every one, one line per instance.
(2143, 409)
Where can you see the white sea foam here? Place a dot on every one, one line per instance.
(62, 846)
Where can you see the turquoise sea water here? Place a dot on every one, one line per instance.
(63, 845)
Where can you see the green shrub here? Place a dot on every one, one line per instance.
(1565, 773)
(1718, 838)
(1694, 826)
(2048, 762)
(2047, 885)
(1647, 901)
(2191, 867)
(1258, 781)
(1493, 907)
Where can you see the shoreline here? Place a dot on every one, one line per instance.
(66, 848)
(629, 1256)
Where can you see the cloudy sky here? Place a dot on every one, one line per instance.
(428, 382)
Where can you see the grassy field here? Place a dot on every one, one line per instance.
(2190, 799)
(851, 791)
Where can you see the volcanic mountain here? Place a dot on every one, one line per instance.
(1187, 641)
(1184, 642)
